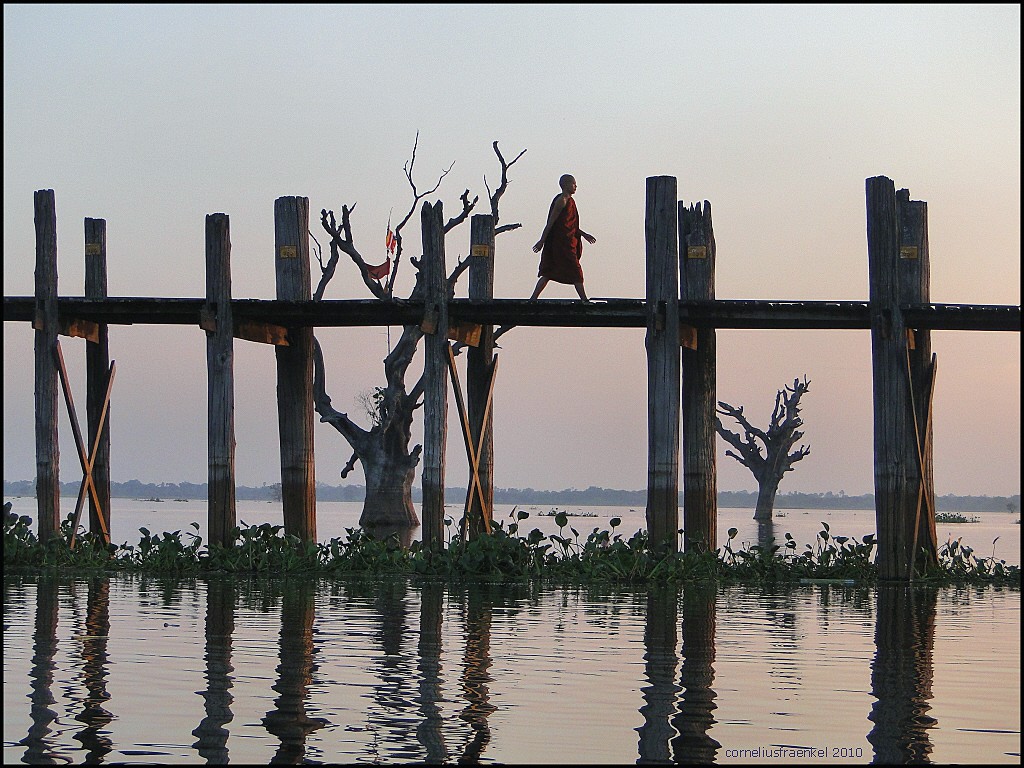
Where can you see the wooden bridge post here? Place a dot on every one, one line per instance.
(663, 361)
(45, 324)
(295, 371)
(218, 322)
(915, 288)
(700, 476)
(435, 374)
(894, 448)
(479, 363)
(97, 372)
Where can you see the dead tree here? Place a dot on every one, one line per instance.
(766, 453)
(383, 449)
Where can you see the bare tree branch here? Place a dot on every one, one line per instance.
(416, 197)
(496, 196)
(352, 432)
(342, 242)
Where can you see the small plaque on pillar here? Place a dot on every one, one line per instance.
(93, 249)
(481, 250)
(289, 252)
(908, 251)
(696, 252)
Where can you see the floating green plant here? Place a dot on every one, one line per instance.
(506, 554)
(955, 517)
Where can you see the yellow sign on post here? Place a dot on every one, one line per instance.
(697, 252)
(481, 250)
(289, 252)
(908, 251)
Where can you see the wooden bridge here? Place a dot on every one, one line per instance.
(680, 313)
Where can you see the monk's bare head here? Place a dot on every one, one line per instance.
(567, 183)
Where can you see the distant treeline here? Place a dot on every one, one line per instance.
(589, 497)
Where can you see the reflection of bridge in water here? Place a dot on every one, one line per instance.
(431, 699)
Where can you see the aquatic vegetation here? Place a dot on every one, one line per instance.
(955, 517)
(507, 554)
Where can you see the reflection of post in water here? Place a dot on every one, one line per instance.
(695, 718)
(901, 675)
(43, 650)
(220, 626)
(660, 642)
(430, 731)
(394, 695)
(475, 675)
(289, 721)
(95, 672)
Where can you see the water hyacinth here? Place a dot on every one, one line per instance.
(506, 554)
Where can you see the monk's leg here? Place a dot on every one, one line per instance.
(581, 292)
(541, 284)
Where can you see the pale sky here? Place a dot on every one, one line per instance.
(152, 117)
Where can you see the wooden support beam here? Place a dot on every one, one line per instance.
(85, 458)
(663, 361)
(699, 386)
(914, 267)
(435, 376)
(99, 373)
(220, 367)
(480, 365)
(474, 496)
(295, 371)
(894, 444)
(46, 328)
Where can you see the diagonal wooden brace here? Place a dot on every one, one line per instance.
(87, 460)
(472, 453)
(923, 445)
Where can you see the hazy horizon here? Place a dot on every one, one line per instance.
(152, 117)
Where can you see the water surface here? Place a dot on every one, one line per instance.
(140, 669)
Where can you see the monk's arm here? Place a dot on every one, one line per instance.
(556, 208)
(588, 237)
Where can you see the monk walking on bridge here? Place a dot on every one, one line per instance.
(562, 243)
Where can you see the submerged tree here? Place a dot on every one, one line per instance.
(383, 449)
(766, 453)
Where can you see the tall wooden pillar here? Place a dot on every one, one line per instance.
(894, 447)
(218, 322)
(479, 365)
(97, 372)
(435, 374)
(915, 288)
(295, 371)
(700, 474)
(45, 324)
(663, 361)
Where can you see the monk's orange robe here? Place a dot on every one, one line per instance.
(563, 247)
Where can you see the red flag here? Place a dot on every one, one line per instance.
(380, 271)
(390, 241)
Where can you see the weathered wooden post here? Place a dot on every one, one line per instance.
(435, 373)
(663, 361)
(45, 324)
(218, 322)
(97, 372)
(700, 474)
(915, 288)
(295, 371)
(479, 365)
(894, 450)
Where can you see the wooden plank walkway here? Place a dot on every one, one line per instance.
(601, 313)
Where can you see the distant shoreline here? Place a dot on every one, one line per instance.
(588, 497)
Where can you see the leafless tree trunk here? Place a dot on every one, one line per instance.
(766, 453)
(389, 465)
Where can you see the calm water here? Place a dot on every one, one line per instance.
(334, 517)
(134, 669)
